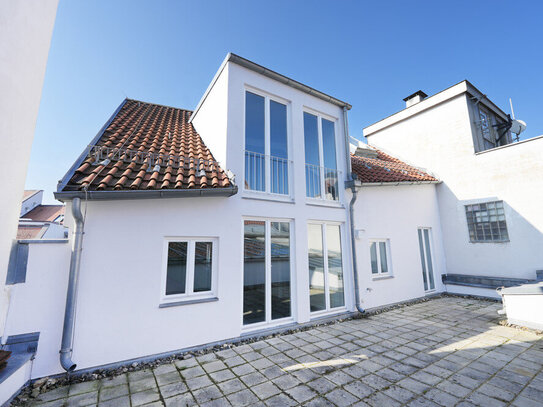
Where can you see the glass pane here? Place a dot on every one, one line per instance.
(317, 298)
(280, 269)
(254, 272)
(329, 155)
(278, 148)
(335, 267)
(202, 266)
(383, 255)
(176, 274)
(429, 258)
(312, 160)
(373, 255)
(422, 260)
(254, 142)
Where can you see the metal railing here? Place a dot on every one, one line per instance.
(314, 183)
(257, 167)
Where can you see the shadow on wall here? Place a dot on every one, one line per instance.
(466, 225)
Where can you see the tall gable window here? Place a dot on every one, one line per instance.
(486, 222)
(266, 145)
(321, 175)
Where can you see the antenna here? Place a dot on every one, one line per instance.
(512, 111)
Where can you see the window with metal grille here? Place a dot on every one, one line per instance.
(486, 222)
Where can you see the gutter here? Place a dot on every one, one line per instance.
(390, 184)
(145, 194)
(71, 295)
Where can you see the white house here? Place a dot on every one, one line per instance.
(491, 190)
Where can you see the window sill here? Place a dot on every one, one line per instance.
(187, 302)
(377, 278)
(316, 315)
(323, 202)
(490, 241)
(268, 197)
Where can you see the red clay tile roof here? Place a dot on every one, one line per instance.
(29, 192)
(146, 147)
(385, 168)
(28, 232)
(45, 213)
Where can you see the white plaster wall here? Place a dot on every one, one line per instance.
(395, 213)
(13, 383)
(37, 305)
(25, 35)
(440, 139)
(210, 120)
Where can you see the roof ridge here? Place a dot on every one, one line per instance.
(157, 104)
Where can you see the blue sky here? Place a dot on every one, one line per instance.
(371, 54)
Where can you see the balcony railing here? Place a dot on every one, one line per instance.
(257, 167)
(314, 182)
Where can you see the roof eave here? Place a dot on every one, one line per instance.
(145, 194)
(236, 59)
(359, 184)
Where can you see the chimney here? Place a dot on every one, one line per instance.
(415, 98)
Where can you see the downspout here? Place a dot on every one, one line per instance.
(350, 182)
(69, 314)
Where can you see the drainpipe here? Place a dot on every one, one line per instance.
(69, 314)
(350, 183)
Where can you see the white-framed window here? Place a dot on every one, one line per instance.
(325, 264)
(267, 163)
(321, 174)
(426, 259)
(190, 269)
(267, 271)
(486, 222)
(380, 257)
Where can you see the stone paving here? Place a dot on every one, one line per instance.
(445, 352)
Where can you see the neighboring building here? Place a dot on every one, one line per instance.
(26, 28)
(399, 249)
(491, 191)
(39, 221)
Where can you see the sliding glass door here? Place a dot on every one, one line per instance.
(267, 271)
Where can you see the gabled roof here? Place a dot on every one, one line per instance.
(45, 213)
(382, 168)
(145, 147)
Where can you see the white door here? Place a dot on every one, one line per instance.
(426, 258)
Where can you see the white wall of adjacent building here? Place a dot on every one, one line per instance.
(25, 34)
(441, 140)
(394, 214)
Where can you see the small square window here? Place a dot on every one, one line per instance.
(486, 222)
(190, 269)
(379, 257)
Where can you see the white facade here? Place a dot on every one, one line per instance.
(442, 133)
(25, 34)
(393, 215)
(122, 312)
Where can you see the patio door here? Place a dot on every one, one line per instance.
(425, 248)
(266, 272)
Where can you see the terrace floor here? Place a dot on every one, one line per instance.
(447, 351)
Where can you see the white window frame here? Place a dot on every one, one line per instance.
(267, 194)
(322, 199)
(190, 296)
(380, 274)
(269, 322)
(432, 254)
(329, 310)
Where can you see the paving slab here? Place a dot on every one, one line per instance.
(442, 352)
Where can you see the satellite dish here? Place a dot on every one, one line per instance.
(518, 126)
